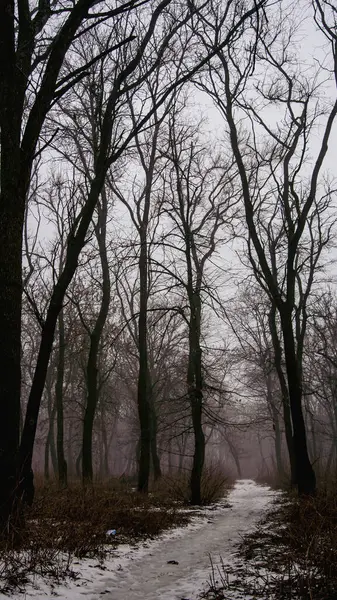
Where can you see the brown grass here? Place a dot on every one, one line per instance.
(214, 486)
(292, 554)
(68, 523)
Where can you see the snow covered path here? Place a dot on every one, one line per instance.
(148, 576)
(143, 573)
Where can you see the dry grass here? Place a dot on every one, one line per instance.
(214, 486)
(292, 554)
(77, 519)
(68, 523)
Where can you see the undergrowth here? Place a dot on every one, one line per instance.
(72, 523)
(292, 554)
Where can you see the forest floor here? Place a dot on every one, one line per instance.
(256, 543)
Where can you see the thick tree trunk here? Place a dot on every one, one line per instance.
(305, 475)
(89, 414)
(314, 454)
(12, 209)
(284, 391)
(61, 461)
(195, 385)
(276, 428)
(278, 446)
(199, 449)
(10, 331)
(145, 428)
(154, 455)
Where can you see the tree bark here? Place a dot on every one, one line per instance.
(105, 448)
(95, 339)
(50, 443)
(284, 391)
(194, 382)
(143, 379)
(276, 428)
(305, 475)
(12, 203)
(61, 461)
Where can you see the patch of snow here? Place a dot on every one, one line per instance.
(174, 566)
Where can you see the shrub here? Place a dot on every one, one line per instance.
(214, 483)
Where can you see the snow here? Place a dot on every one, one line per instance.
(143, 572)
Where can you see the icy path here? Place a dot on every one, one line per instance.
(150, 577)
(143, 573)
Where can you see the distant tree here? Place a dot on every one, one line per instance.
(141, 204)
(250, 320)
(320, 375)
(197, 203)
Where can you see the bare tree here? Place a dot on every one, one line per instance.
(198, 198)
(31, 80)
(287, 212)
(129, 77)
(250, 320)
(142, 208)
(320, 364)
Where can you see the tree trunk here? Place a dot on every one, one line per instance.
(284, 390)
(70, 458)
(10, 331)
(61, 461)
(278, 446)
(95, 338)
(276, 427)
(154, 429)
(12, 210)
(50, 443)
(78, 464)
(105, 447)
(305, 476)
(235, 456)
(194, 382)
(89, 414)
(264, 465)
(143, 378)
(314, 454)
(155, 457)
